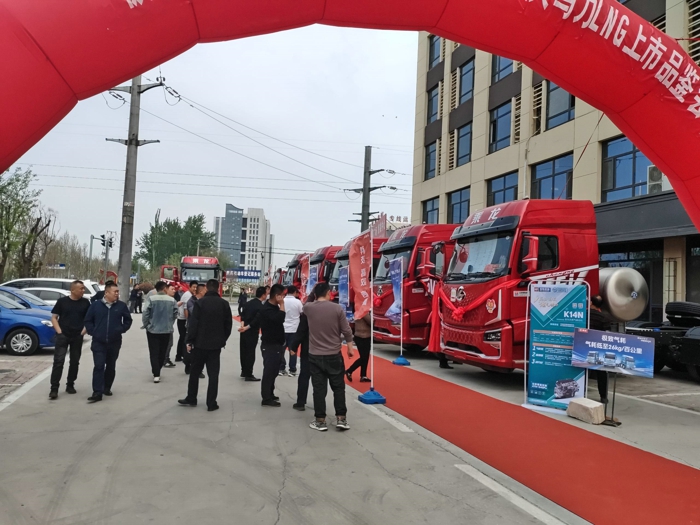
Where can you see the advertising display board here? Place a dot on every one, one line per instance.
(344, 293)
(313, 279)
(611, 352)
(556, 311)
(396, 276)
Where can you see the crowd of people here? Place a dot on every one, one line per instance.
(311, 334)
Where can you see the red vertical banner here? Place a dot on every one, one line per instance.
(304, 269)
(360, 274)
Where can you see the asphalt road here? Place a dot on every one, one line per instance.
(137, 457)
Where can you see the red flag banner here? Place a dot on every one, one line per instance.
(304, 265)
(360, 272)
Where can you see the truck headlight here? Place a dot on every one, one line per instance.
(492, 337)
(47, 323)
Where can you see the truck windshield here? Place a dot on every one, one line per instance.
(289, 276)
(199, 274)
(484, 256)
(383, 269)
(335, 276)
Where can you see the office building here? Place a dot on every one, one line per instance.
(227, 232)
(490, 130)
(256, 241)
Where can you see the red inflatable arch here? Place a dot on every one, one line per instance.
(54, 53)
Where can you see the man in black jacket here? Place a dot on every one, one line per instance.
(249, 338)
(208, 330)
(106, 320)
(270, 320)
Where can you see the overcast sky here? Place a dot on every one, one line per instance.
(325, 89)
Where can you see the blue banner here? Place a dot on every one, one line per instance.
(344, 293)
(396, 275)
(556, 311)
(313, 278)
(612, 352)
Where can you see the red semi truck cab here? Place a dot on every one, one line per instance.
(278, 277)
(482, 297)
(292, 275)
(409, 243)
(325, 260)
(343, 260)
(193, 268)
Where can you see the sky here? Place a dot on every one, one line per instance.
(324, 89)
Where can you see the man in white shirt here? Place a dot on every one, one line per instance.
(293, 307)
(182, 320)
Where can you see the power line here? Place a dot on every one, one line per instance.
(205, 194)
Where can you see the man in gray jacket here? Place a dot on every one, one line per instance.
(159, 315)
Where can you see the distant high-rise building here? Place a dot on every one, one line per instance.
(227, 231)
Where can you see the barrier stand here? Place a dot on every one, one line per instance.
(401, 360)
(371, 397)
(611, 421)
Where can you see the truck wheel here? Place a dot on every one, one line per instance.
(694, 372)
(21, 342)
(683, 308)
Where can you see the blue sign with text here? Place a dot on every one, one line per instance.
(344, 293)
(611, 352)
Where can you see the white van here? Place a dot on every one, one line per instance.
(91, 287)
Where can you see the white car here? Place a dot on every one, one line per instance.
(48, 295)
(91, 287)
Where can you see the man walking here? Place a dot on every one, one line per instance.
(133, 298)
(242, 299)
(270, 320)
(209, 328)
(328, 326)
(249, 338)
(68, 319)
(106, 321)
(182, 320)
(158, 318)
(172, 292)
(187, 356)
(293, 308)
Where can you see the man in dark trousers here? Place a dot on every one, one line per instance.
(158, 319)
(328, 327)
(242, 299)
(600, 321)
(209, 328)
(106, 321)
(270, 320)
(68, 319)
(249, 338)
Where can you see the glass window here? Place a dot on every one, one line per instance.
(48, 295)
(433, 104)
(430, 160)
(500, 128)
(624, 170)
(547, 254)
(553, 179)
(501, 68)
(433, 51)
(385, 263)
(464, 144)
(560, 106)
(458, 206)
(502, 189)
(431, 209)
(466, 82)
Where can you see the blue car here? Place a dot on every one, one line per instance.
(24, 330)
(24, 298)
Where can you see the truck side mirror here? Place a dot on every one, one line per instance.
(426, 266)
(530, 259)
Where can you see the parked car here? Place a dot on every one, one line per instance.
(91, 287)
(24, 298)
(49, 295)
(24, 330)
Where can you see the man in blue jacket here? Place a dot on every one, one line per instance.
(106, 320)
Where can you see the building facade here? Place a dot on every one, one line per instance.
(490, 130)
(227, 232)
(257, 241)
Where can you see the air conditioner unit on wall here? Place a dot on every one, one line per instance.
(656, 181)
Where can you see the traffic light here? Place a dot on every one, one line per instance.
(103, 240)
(111, 243)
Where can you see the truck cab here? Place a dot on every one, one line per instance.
(414, 245)
(482, 299)
(193, 268)
(278, 277)
(325, 261)
(292, 275)
(343, 260)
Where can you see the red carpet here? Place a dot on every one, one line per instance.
(599, 479)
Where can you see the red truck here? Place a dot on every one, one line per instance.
(193, 268)
(278, 276)
(343, 260)
(481, 298)
(325, 260)
(292, 275)
(410, 243)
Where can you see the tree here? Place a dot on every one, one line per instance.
(165, 239)
(38, 232)
(17, 202)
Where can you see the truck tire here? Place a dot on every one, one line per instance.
(685, 314)
(21, 342)
(694, 372)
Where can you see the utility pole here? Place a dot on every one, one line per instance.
(106, 256)
(89, 275)
(126, 238)
(366, 189)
